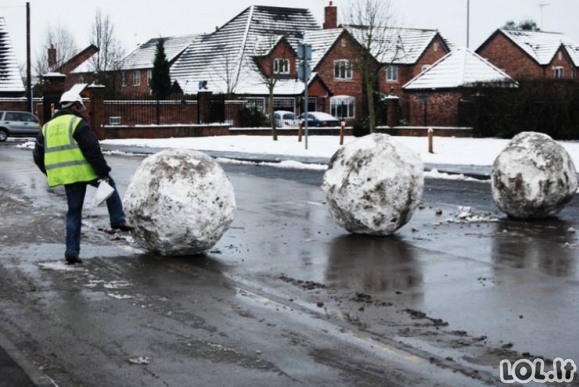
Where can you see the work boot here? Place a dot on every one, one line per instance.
(125, 226)
(72, 259)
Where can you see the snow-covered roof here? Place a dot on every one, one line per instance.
(144, 55)
(402, 46)
(85, 67)
(459, 68)
(542, 46)
(10, 79)
(225, 58)
(321, 42)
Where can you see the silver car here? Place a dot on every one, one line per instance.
(18, 124)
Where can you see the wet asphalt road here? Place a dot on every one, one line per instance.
(286, 297)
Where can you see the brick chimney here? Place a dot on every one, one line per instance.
(51, 56)
(330, 16)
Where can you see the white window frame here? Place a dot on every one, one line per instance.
(343, 69)
(392, 73)
(559, 72)
(149, 76)
(281, 66)
(137, 78)
(123, 78)
(343, 101)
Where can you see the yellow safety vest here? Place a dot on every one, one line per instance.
(63, 159)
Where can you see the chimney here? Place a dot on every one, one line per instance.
(51, 56)
(330, 16)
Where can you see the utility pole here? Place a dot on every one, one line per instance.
(467, 23)
(28, 72)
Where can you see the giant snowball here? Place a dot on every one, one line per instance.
(373, 185)
(180, 201)
(533, 177)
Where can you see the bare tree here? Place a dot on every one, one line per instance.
(373, 25)
(111, 52)
(57, 47)
(273, 62)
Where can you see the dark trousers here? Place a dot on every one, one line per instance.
(75, 194)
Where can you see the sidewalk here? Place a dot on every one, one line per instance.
(475, 171)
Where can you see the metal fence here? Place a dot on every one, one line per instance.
(131, 110)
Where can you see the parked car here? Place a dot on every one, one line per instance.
(320, 119)
(285, 119)
(18, 124)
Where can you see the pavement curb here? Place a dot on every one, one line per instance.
(36, 376)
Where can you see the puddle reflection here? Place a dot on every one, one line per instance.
(373, 264)
(547, 245)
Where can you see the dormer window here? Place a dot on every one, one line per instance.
(281, 66)
(342, 69)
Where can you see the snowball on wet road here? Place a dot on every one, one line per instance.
(373, 185)
(533, 177)
(180, 201)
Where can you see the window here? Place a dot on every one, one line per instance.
(281, 66)
(392, 73)
(435, 46)
(284, 104)
(559, 72)
(342, 69)
(342, 106)
(149, 76)
(137, 78)
(81, 79)
(425, 67)
(123, 78)
(560, 55)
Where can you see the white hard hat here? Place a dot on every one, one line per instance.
(69, 98)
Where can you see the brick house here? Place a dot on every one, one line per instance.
(436, 96)
(532, 54)
(137, 67)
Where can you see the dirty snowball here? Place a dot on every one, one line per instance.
(373, 185)
(533, 177)
(180, 201)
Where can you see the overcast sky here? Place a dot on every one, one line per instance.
(136, 21)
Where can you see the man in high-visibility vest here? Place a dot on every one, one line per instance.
(68, 152)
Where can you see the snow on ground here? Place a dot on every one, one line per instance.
(447, 150)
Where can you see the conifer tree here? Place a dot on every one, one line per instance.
(160, 80)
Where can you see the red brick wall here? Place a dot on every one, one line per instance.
(435, 50)
(442, 108)
(561, 59)
(129, 87)
(282, 50)
(506, 55)
(343, 49)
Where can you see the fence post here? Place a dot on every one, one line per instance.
(430, 140)
(53, 87)
(342, 130)
(300, 127)
(97, 111)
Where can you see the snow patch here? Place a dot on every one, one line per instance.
(533, 177)
(373, 185)
(59, 266)
(180, 201)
